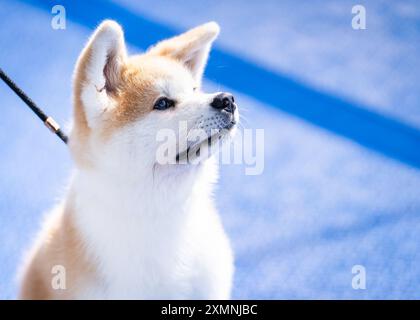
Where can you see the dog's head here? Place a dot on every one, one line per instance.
(132, 110)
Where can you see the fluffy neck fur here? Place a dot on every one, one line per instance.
(156, 191)
(131, 226)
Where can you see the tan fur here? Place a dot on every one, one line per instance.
(181, 47)
(135, 96)
(61, 245)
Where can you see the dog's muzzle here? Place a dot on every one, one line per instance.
(217, 127)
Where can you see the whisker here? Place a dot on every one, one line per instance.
(244, 120)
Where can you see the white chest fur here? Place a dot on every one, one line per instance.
(153, 240)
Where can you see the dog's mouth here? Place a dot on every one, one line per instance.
(194, 150)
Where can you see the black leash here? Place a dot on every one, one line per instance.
(49, 122)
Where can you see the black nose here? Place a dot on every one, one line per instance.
(224, 101)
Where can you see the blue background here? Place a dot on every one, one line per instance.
(341, 114)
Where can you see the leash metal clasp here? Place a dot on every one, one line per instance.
(51, 124)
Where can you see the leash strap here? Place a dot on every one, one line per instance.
(49, 122)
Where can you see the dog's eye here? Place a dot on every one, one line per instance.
(163, 103)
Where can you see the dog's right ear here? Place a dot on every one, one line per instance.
(98, 71)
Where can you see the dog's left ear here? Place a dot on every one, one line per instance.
(98, 71)
(191, 48)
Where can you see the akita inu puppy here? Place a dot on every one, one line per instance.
(130, 226)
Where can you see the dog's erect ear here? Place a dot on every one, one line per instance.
(191, 48)
(98, 70)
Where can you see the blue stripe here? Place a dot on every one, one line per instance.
(372, 130)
